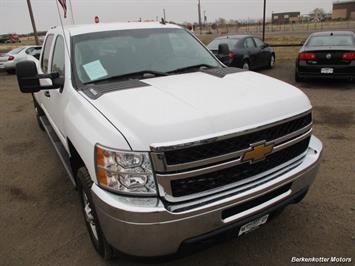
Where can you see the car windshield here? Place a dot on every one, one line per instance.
(103, 55)
(335, 40)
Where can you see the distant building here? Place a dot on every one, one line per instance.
(286, 17)
(344, 10)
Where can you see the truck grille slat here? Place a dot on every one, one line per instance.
(230, 145)
(197, 184)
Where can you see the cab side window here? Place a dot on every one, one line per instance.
(58, 60)
(46, 53)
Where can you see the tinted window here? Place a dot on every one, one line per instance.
(215, 43)
(58, 60)
(33, 50)
(46, 53)
(232, 42)
(106, 54)
(249, 43)
(259, 43)
(336, 40)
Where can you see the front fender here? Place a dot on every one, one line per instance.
(86, 126)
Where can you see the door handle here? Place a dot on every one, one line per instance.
(47, 94)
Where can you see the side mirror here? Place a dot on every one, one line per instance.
(223, 49)
(266, 45)
(29, 80)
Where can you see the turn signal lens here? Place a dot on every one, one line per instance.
(307, 56)
(349, 56)
(11, 58)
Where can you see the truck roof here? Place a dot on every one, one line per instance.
(100, 27)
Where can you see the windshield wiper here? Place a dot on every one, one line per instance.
(199, 66)
(152, 73)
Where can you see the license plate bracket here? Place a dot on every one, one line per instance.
(251, 226)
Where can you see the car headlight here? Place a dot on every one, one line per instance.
(124, 171)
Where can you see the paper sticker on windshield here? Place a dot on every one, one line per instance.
(95, 70)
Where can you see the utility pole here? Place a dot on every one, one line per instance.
(264, 20)
(33, 21)
(199, 16)
(164, 14)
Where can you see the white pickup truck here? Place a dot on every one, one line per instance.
(169, 149)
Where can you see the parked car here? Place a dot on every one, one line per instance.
(327, 55)
(167, 147)
(243, 51)
(9, 60)
(9, 38)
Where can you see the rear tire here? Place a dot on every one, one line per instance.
(92, 223)
(298, 78)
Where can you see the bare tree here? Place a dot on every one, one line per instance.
(317, 15)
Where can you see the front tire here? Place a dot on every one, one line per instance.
(10, 71)
(92, 223)
(246, 65)
(272, 61)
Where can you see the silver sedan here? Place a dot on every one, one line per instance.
(9, 60)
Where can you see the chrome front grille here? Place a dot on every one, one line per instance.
(190, 170)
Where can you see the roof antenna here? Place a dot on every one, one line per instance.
(163, 21)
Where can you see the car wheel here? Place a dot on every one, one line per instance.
(10, 71)
(298, 78)
(246, 65)
(272, 61)
(92, 223)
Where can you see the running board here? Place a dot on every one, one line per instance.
(62, 153)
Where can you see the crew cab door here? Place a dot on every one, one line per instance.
(54, 101)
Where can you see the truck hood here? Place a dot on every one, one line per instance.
(194, 106)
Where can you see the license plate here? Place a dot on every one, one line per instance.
(253, 225)
(327, 70)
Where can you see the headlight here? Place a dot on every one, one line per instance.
(124, 171)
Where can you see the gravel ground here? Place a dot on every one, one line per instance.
(42, 224)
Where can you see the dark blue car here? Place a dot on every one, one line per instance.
(243, 51)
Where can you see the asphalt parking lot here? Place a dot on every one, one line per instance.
(42, 224)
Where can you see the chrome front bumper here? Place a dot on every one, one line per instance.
(145, 227)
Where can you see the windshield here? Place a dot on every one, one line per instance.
(335, 40)
(99, 56)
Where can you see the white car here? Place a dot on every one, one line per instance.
(168, 148)
(9, 60)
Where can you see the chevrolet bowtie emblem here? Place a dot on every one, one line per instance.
(258, 152)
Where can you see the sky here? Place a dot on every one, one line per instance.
(14, 15)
